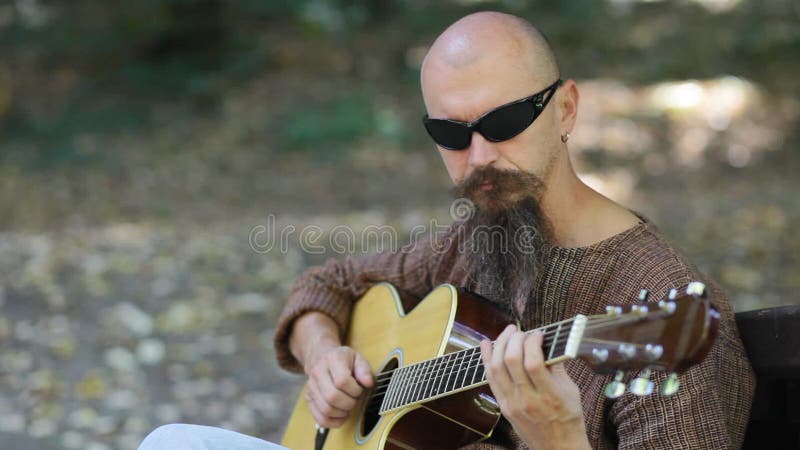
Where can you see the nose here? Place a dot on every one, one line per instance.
(481, 151)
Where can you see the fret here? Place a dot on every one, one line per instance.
(390, 390)
(409, 384)
(388, 393)
(555, 341)
(430, 375)
(442, 383)
(419, 381)
(481, 369)
(402, 385)
(437, 377)
(469, 366)
(452, 379)
(453, 376)
(449, 372)
(461, 373)
(427, 376)
(398, 380)
(478, 366)
(431, 378)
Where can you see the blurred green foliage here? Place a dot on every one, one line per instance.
(328, 126)
(86, 67)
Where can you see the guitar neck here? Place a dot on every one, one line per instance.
(462, 370)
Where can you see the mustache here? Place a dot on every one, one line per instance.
(502, 179)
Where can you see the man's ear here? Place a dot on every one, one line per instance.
(567, 100)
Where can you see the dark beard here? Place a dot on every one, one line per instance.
(504, 244)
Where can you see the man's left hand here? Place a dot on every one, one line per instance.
(542, 404)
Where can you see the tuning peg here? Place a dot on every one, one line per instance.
(626, 351)
(696, 288)
(642, 385)
(600, 355)
(670, 385)
(653, 351)
(673, 294)
(643, 295)
(616, 387)
(667, 306)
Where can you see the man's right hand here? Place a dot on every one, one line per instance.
(337, 375)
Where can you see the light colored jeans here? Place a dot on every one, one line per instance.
(181, 436)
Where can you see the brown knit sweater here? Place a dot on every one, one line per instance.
(710, 410)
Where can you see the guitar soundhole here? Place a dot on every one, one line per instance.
(371, 414)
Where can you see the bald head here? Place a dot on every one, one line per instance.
(499, 40)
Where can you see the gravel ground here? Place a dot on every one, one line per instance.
(108, 333)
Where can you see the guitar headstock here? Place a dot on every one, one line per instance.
(671, 335)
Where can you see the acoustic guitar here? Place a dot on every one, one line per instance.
(430, 387)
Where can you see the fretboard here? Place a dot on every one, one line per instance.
(461, 370)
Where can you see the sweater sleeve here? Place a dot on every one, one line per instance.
(711, 407)
(333, 288)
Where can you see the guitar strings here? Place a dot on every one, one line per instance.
(454, 358)
(446, 367)
(547, 336)
(596, 323)
(423, 377)
(593, 323)
(450, 385)
(473, 361)
(457, 373)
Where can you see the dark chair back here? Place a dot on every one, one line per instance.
(772, 339)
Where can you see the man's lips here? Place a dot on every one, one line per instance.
(486, 185)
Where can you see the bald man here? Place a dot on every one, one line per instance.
(501, 118)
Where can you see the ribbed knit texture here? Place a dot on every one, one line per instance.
(710, 410)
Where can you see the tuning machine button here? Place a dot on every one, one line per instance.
(653, 351)
(616, 387)
(626, 351)
(673, 294)
(613, 310)
(696, 288)
(643, 296)
(670, 385)
(600, 355)
(667, 306)
(642, 385)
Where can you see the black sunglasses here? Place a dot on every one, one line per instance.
(497, 125)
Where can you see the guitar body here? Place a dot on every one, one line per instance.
(387, 336)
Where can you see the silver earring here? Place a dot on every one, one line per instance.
(565, 137)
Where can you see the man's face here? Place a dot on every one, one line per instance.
(467, 93)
